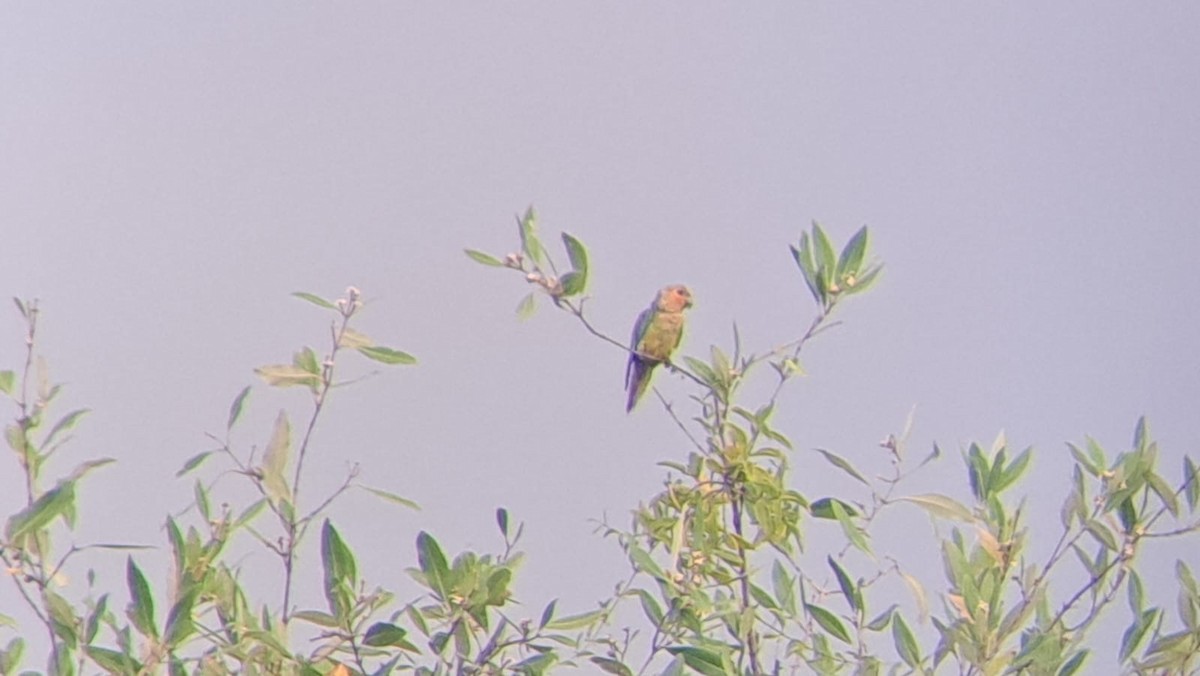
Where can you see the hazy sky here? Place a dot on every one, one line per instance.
(169, 173)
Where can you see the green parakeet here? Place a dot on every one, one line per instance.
(655, 336)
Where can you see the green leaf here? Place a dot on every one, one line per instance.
(141, 603)
(1101, 533)
(249, 513)
(1082, 460)
(853, 253)
(314, 299)
(978, 473)
(84, 468)
(547, 613)
(611, 666)
(1137, 597)
(826, 262)
(502, 520)
(497, 586)
(306, 360)
(703, 371)
(881, 620)
(63, 617)
(650, 607)
(10, 657)
(341, 571)
(853, 533)
(201, 497)
(823, 508)
(864, 281)
(193, 462)
(763, 597)
(1013, 471)
(577, 253)
(1165, 494)
(382, 634)
(804, 261)
(643, 562)
(113, 662)
(1096, 453)
(782, 583)
(1072, 665)
(235, 409)
(1127, 514)
(849, 590)
(387, 355)
(575, 621)
(536, 665)
(1186, 580)
(486, 259)
(56, 502)
(829, 622)
(179, 619)
(1136, 633)
(703, 661)
(1140, 434)
(1191, 477)
(286, 375)
(906, 645)
(317, 617)
(92, 626)
(572, 284)
(276, 459)
(842, 464)
(354, 340)
(526, 307)
(64, 424)
(432, 562)
(941, 506)
(530, 243)
(7, 378)
(391, 497)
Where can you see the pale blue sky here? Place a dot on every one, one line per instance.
(170, 172)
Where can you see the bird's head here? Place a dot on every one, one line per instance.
(674, 298)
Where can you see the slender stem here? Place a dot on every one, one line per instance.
(295, 526)
(25, 422)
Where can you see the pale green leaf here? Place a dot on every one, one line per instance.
(485, 259)
(906, 644)
(829, 622)
(577, 253)
(392, 497)
(853, 253)
(314, 299)
(526, 307)
(941, 506)
(235, 409)
(276, 459)
(287, 375)
(842, 464)
(355, 340)
(141, 603)
(64, 424)
(387, 355)
(575, 621)
(56, 502)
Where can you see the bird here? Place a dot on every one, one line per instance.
(655, 336)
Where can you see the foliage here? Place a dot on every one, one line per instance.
(725, 575)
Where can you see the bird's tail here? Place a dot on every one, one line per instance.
(638, 381)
